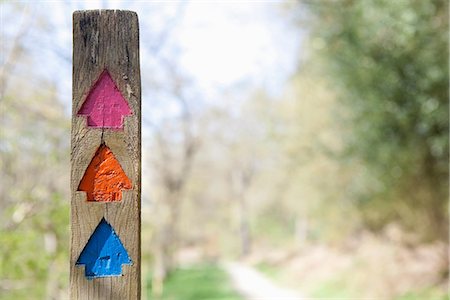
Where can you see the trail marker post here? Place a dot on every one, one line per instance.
(105, 255)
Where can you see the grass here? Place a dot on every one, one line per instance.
(268, 269)
(338, 289)
(199, 282)
(332, 289)
(430, 294)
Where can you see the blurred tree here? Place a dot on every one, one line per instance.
(34, 145)
(389, 60)
(174, 144)
(34, 194)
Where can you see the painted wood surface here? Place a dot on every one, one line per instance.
(105, 107)
(106, 40)
(104, 179)
(104, 254)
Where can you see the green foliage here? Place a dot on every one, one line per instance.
(389, 60)
(198, 282)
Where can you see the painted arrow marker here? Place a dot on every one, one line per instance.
(105, 107)
(104, 253)
(104, 178)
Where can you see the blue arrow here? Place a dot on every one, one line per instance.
(104, 253)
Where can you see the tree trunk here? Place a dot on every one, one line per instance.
(244, 228)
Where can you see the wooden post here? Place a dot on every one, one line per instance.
(105, 249)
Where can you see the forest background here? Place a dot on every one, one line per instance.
(308, 139)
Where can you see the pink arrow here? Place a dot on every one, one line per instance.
(105, 107)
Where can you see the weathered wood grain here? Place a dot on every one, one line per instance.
(106, 39)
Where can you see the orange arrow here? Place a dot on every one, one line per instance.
(104, 178)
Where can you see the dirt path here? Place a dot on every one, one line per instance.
(253, 285)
